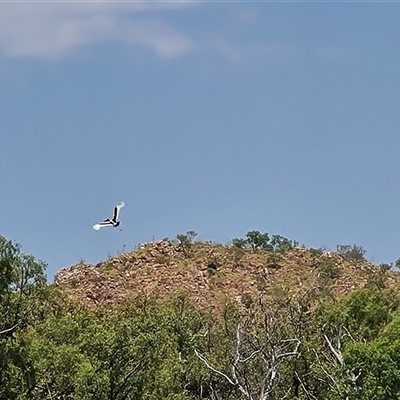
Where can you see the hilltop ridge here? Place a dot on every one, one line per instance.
(212, 274)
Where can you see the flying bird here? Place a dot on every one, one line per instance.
(113, 221)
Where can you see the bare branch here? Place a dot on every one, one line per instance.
(263, 350)
(268, 382)
(237, 354)
(209, 366)
(250, 356)
(48, 389)
(309, 395)
(9, 329)
(295, 352)
(332, 349)
(348, 333)
(234, 382)
(336, 386)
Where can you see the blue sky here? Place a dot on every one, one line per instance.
(208, 116)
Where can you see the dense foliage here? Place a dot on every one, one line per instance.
(284, 347)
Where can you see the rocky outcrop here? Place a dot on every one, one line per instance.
(213, 274)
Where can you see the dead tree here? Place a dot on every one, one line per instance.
(257, 352)
(332, 360)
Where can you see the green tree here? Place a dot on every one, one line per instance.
(353, 355)
(21, 278)
(22, 292)
(379, 363)
(258, 240)
(281, 244)
(143, 351)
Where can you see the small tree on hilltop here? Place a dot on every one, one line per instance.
(240, 243)
(351, 253)
(282, 244)
(258, 240)
(186, 241)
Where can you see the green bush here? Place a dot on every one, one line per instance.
(351, 252)
(186, 241)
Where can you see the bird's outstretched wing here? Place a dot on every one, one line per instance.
(117, 208)
(103, 224)
(114, 219)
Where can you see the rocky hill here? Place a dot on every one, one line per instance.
(213, 274)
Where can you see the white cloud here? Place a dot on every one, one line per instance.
(158, 36)
(53, 30)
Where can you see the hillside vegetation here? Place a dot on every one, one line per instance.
(260, 318)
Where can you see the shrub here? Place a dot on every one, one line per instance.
(273, 260)
(329, 269)
(239, 243)
(186, 241)
(316, 252)
(212, 263)
(351, 253)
